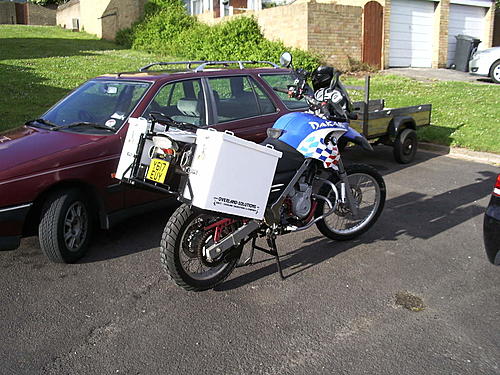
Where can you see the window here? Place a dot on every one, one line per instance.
(183, 101)
(103, 102)
(282, 81)
(238, 98)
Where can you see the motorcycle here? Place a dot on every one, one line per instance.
(311, 186)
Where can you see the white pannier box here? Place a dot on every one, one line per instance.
(136, 127)
(231, 175)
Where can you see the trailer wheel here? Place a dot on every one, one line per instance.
(405, 146)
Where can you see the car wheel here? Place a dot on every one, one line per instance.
(495, 72)
(66, 226)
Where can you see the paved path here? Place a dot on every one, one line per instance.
(115, 312)
(428, 74)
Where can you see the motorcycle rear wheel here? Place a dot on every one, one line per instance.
(182, 246)
(368, 188)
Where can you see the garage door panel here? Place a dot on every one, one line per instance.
(399, 45)
(411, 33)
(466, 20)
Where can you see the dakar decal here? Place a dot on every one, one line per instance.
(326, 124)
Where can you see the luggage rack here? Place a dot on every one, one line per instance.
(201, 65)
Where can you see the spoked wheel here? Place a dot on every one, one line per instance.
(184, 243)
(368, 190)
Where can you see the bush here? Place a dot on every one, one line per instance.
(168, 29)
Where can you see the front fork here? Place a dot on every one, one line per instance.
(345, 190)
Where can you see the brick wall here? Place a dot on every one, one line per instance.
(67, 12)
(38, 15)
(335, 32)
(387, 29)
(7, 13)
(288, 24)
(489, 27)
(440, 36)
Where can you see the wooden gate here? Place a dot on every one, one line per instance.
(373, 24)
(21, 14)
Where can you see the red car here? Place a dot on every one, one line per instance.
(56, 171)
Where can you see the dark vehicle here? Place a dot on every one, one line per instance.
(56, 171)
(491, 226)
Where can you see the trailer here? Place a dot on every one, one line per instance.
(394, 127)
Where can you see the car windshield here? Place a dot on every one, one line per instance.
(99, 102)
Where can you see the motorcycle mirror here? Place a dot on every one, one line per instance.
(286, 59)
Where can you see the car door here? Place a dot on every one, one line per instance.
(242, 106)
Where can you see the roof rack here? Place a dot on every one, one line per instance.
(241, 64)
(203, 64)
(187, 63)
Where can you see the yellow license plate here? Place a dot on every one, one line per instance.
(158, 170)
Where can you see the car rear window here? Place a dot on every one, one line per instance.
(282, 81)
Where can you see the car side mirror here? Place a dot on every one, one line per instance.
(286, 59)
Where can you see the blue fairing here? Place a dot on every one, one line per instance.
(297, 126)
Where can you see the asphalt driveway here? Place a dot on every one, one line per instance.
(116, 312)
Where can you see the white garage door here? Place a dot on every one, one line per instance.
(411, 27)
(467, 20)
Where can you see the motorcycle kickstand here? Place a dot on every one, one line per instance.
(271, 241)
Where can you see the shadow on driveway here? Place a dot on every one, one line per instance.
(413, 215)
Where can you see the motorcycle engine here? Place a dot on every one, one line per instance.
(300, 198)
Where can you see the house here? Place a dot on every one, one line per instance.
(383, 33)
(105, 17)
(222, 8)
(100, 17)
(25, 13)
(423, 33)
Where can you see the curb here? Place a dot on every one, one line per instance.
(461, 153)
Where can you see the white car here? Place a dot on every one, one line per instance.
(486, 63)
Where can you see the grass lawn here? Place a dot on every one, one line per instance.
(39, 65)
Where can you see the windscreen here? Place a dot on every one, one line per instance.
(107, 103)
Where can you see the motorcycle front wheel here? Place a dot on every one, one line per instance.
(368, 190)
(183, 246)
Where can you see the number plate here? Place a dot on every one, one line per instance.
(158, 170)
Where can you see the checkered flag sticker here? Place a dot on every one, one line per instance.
(317, 149)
